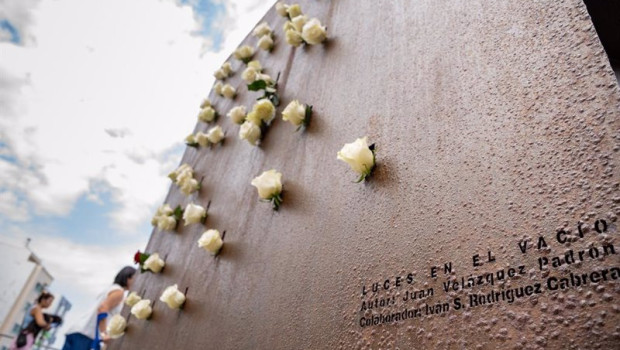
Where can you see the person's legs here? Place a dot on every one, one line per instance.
(77, 341)
(28, 346)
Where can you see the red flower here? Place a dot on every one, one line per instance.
(136, 258)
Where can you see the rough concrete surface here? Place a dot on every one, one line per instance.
(496, 123)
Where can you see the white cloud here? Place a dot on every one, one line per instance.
(20, 16)
(110, 69)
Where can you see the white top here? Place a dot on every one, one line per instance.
(87, 323)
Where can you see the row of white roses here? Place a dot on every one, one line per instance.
(299, 29)
(142, 309)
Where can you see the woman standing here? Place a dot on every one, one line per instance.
(35, 322)
(85, 334)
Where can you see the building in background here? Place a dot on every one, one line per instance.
(23, 278)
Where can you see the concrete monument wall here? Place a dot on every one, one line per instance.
(489, 222)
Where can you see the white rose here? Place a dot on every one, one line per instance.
(266, 78)
(142, 309)
(173, 297)
(281, 9)
(173, 176)
(265, 43)
(220, 74)
(228, 91)
(287, 25)
(116, 326)
(154, 263)
(294, 10)
(293, 37)
(268, 184)
(254, 118)
(190, 139)
(211, 241)
(167, 223)
(249, 75)
(164, 210)
(194, 214)
(207, 114)
(218, 88)
(215, 134)
(201, 139)
(205, 103)
(358, 156)
(298, 22)
(237, 114)
(313, 33)
(244, 53)
(184, 175)
(261, 30)
(188, 186)
(256, 65)
(295, 113)
(265, 110)
(227, 68)
(132, 299)
(250, 132)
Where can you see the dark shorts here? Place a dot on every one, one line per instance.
(77, 341)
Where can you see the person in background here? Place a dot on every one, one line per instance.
(35, 321)
(86, 333)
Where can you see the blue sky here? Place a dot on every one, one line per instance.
(6, 26)
(80, 174)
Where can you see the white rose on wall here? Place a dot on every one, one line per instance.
(269, 187)
(359, 156)
(249, 74)
(211, 241)
(227, 68)
(116, 326)
(188, 186)
(237, 114)
(218, 87)
(215, 134)
(244, 53)
(207, 114)
(163, 210)
(297, 114)
(266, 78)
(262, 30)
(298, 22)
(282, 9)
(250, 132)
(265, 43)
(167, 223)
(194, 214)
(154, 262)
(190, 140)
(313, 33)
(294, 10)
(132, 299)
(173, 297)
(186, 182)
(220, 74)
(205, 103)
(293, 37)
(265, 110)
(228, 91)
(201, 139)
(256, 65)
(142, 310)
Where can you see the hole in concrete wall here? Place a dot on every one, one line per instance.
(605, 15)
